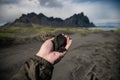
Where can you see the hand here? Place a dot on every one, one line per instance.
(46, 51)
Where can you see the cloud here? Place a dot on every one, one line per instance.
(2, 2)
(50, 3)
(10, 12)
(96, 0)
(97, 11)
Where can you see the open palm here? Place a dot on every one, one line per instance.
(46, 51)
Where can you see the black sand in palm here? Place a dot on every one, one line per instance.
(59, 43)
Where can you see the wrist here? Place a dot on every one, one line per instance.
(44, 57)
(43, 61)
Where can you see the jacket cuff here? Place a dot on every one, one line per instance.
(43, 62)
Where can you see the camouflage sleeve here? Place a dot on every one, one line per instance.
(35, 68)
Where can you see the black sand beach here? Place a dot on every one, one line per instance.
(94, 56)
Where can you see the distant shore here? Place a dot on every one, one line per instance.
(104, 28)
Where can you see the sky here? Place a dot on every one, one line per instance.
(98, 11)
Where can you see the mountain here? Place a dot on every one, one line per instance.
(33, 19)
(78, 20)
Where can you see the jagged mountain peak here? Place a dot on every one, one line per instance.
(78, 14)
(41, 14)
(76, 20)
(32, 14)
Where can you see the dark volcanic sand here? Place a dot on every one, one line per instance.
(95, 56)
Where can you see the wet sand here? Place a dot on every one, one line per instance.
(94, 56)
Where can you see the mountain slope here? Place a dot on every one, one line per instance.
(31, 19)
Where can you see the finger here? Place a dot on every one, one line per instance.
(64, 52)
(63, 34)
(59, 54)
(49, 41)
(51, 38)
(66, 36)
(68, 43)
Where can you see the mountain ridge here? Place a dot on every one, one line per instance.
(31, 19)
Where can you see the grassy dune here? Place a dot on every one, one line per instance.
(14, 32)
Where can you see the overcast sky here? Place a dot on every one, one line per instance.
(98, 11)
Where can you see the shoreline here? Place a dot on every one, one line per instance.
(104, 29)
